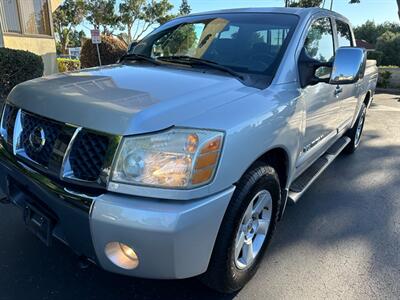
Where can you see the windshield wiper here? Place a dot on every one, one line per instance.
(134, 56)
(199, 61)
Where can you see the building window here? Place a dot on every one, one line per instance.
(9, 16)
(31, 17)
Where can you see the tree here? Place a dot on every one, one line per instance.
(137, 16)
(305, 3)
(66, 17)
(131, 11)
(154, 12)
(185, 8)
(389, 44)
(369, 31)
(76, 38)
(101, 13)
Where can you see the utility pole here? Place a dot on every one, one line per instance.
(398, 5)
(331, 4)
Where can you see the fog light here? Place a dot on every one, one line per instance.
(122, 255)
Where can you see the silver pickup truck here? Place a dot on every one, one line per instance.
(179, 160)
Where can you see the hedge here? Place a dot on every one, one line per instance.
(68, 64)
(384, 79)
(389, 44)
(111, 49)
(376, 55)
(17, 66)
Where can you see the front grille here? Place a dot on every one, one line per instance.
(51, 131)
(88, 154)
(74, 154)
(10, 114)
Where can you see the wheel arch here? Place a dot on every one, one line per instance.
(278, 158)
(368, 99)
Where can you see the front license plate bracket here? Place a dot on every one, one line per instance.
(38, 223)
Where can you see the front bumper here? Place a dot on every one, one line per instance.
(173, 239)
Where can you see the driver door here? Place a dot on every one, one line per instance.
(321, 102)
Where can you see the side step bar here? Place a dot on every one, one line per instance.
(302, 183)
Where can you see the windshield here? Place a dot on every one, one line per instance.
(252, 44)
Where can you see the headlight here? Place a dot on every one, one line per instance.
(177, 158)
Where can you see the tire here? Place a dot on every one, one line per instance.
(355, 133)
(229, 272)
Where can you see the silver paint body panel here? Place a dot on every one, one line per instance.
(175, 237)
(172, 239)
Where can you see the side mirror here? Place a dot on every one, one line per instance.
(313, 71)
(349, 65)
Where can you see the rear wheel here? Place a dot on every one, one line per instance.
(246, 230)
(355, 133)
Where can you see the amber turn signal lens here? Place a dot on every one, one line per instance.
(213, 145)
(206, 160)
(202, 175)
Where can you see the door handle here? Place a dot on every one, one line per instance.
(338, 90)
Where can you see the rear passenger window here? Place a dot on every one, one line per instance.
(344, 34)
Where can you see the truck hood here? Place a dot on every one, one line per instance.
(127, 99)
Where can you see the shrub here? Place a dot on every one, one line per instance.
(370, 32)
(68, 64)
(389, 44)
(376, 55)
(384, 79)
(17, 66)
(111, 49)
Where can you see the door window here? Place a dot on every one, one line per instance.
(343, 34)
(319, 44)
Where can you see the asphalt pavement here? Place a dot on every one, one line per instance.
(341, 241)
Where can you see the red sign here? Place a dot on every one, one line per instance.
(96, 38)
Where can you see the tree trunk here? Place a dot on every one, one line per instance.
(130, 33)
(64, 41)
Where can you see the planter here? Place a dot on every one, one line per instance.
(394, 81)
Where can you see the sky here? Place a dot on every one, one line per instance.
(376, 10)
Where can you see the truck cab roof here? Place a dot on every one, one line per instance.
(299, 11)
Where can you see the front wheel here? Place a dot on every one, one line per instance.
(355, 133)
(246, 230)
